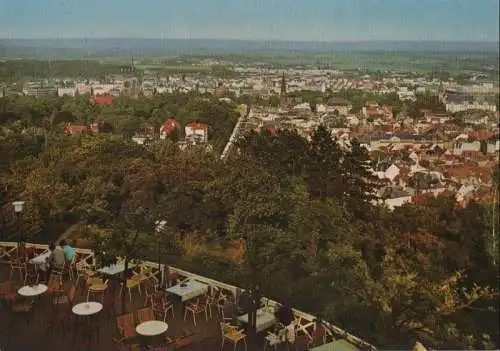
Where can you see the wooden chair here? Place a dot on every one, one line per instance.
(200, 306)
(232, 335)
(145, 314)
(126, 326)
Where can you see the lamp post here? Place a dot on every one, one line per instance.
(18, 209)
(160, 226)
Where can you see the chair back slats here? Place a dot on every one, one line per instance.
(145, 314)
(125, 324)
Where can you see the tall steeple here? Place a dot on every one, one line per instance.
(283, 85)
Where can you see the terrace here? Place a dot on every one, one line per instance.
(42, 317)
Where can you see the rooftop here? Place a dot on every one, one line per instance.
(39, 329)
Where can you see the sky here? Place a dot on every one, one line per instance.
(308, 20)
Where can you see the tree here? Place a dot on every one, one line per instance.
(360, 182)
(325, 176)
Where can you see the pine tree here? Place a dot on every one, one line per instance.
(325, 177)
(360, 183)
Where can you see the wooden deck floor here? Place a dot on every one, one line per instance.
(18, 335)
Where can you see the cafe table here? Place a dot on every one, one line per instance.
(149, 330)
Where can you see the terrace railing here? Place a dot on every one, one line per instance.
(306, 323)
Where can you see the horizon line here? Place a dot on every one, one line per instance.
(261, 40)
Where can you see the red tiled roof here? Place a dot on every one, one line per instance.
(75, 128)
(481, 135)
(169, 126)
(197, 126)
(103, 100)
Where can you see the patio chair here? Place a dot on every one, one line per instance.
(57, 272)
(225, 312)
(83, 271)
(146, 272)
(132, 283)
(145, 315)
(149, 290)
(169, 278)
(126, 326)
(97, 289)
(32, 276)
(54, 285)
(161, 305)
(232, 335)
(213, 300)
(17, 264)
(200, 306)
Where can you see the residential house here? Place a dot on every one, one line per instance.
(75, 128)
(102, 100)
(67, 91)
(341, 105)
(389, 173)
(393, 197)
(39, 89)
(493, 147)
(196, 132)
(470, 150)
(462, 102)
(169, 127)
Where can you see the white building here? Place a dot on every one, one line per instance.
(196, 132)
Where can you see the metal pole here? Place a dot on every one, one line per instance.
(159, 262)
(20, 235)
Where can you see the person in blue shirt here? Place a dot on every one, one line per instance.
(69, 252)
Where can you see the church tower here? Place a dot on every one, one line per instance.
(283, 85)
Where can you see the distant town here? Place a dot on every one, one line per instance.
(427, 135)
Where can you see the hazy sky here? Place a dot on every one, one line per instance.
(322, 20)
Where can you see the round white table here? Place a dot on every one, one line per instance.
(87, 308)
(151, 328)
(32, 290)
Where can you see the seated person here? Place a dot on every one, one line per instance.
(56, 258)
(69, 252)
